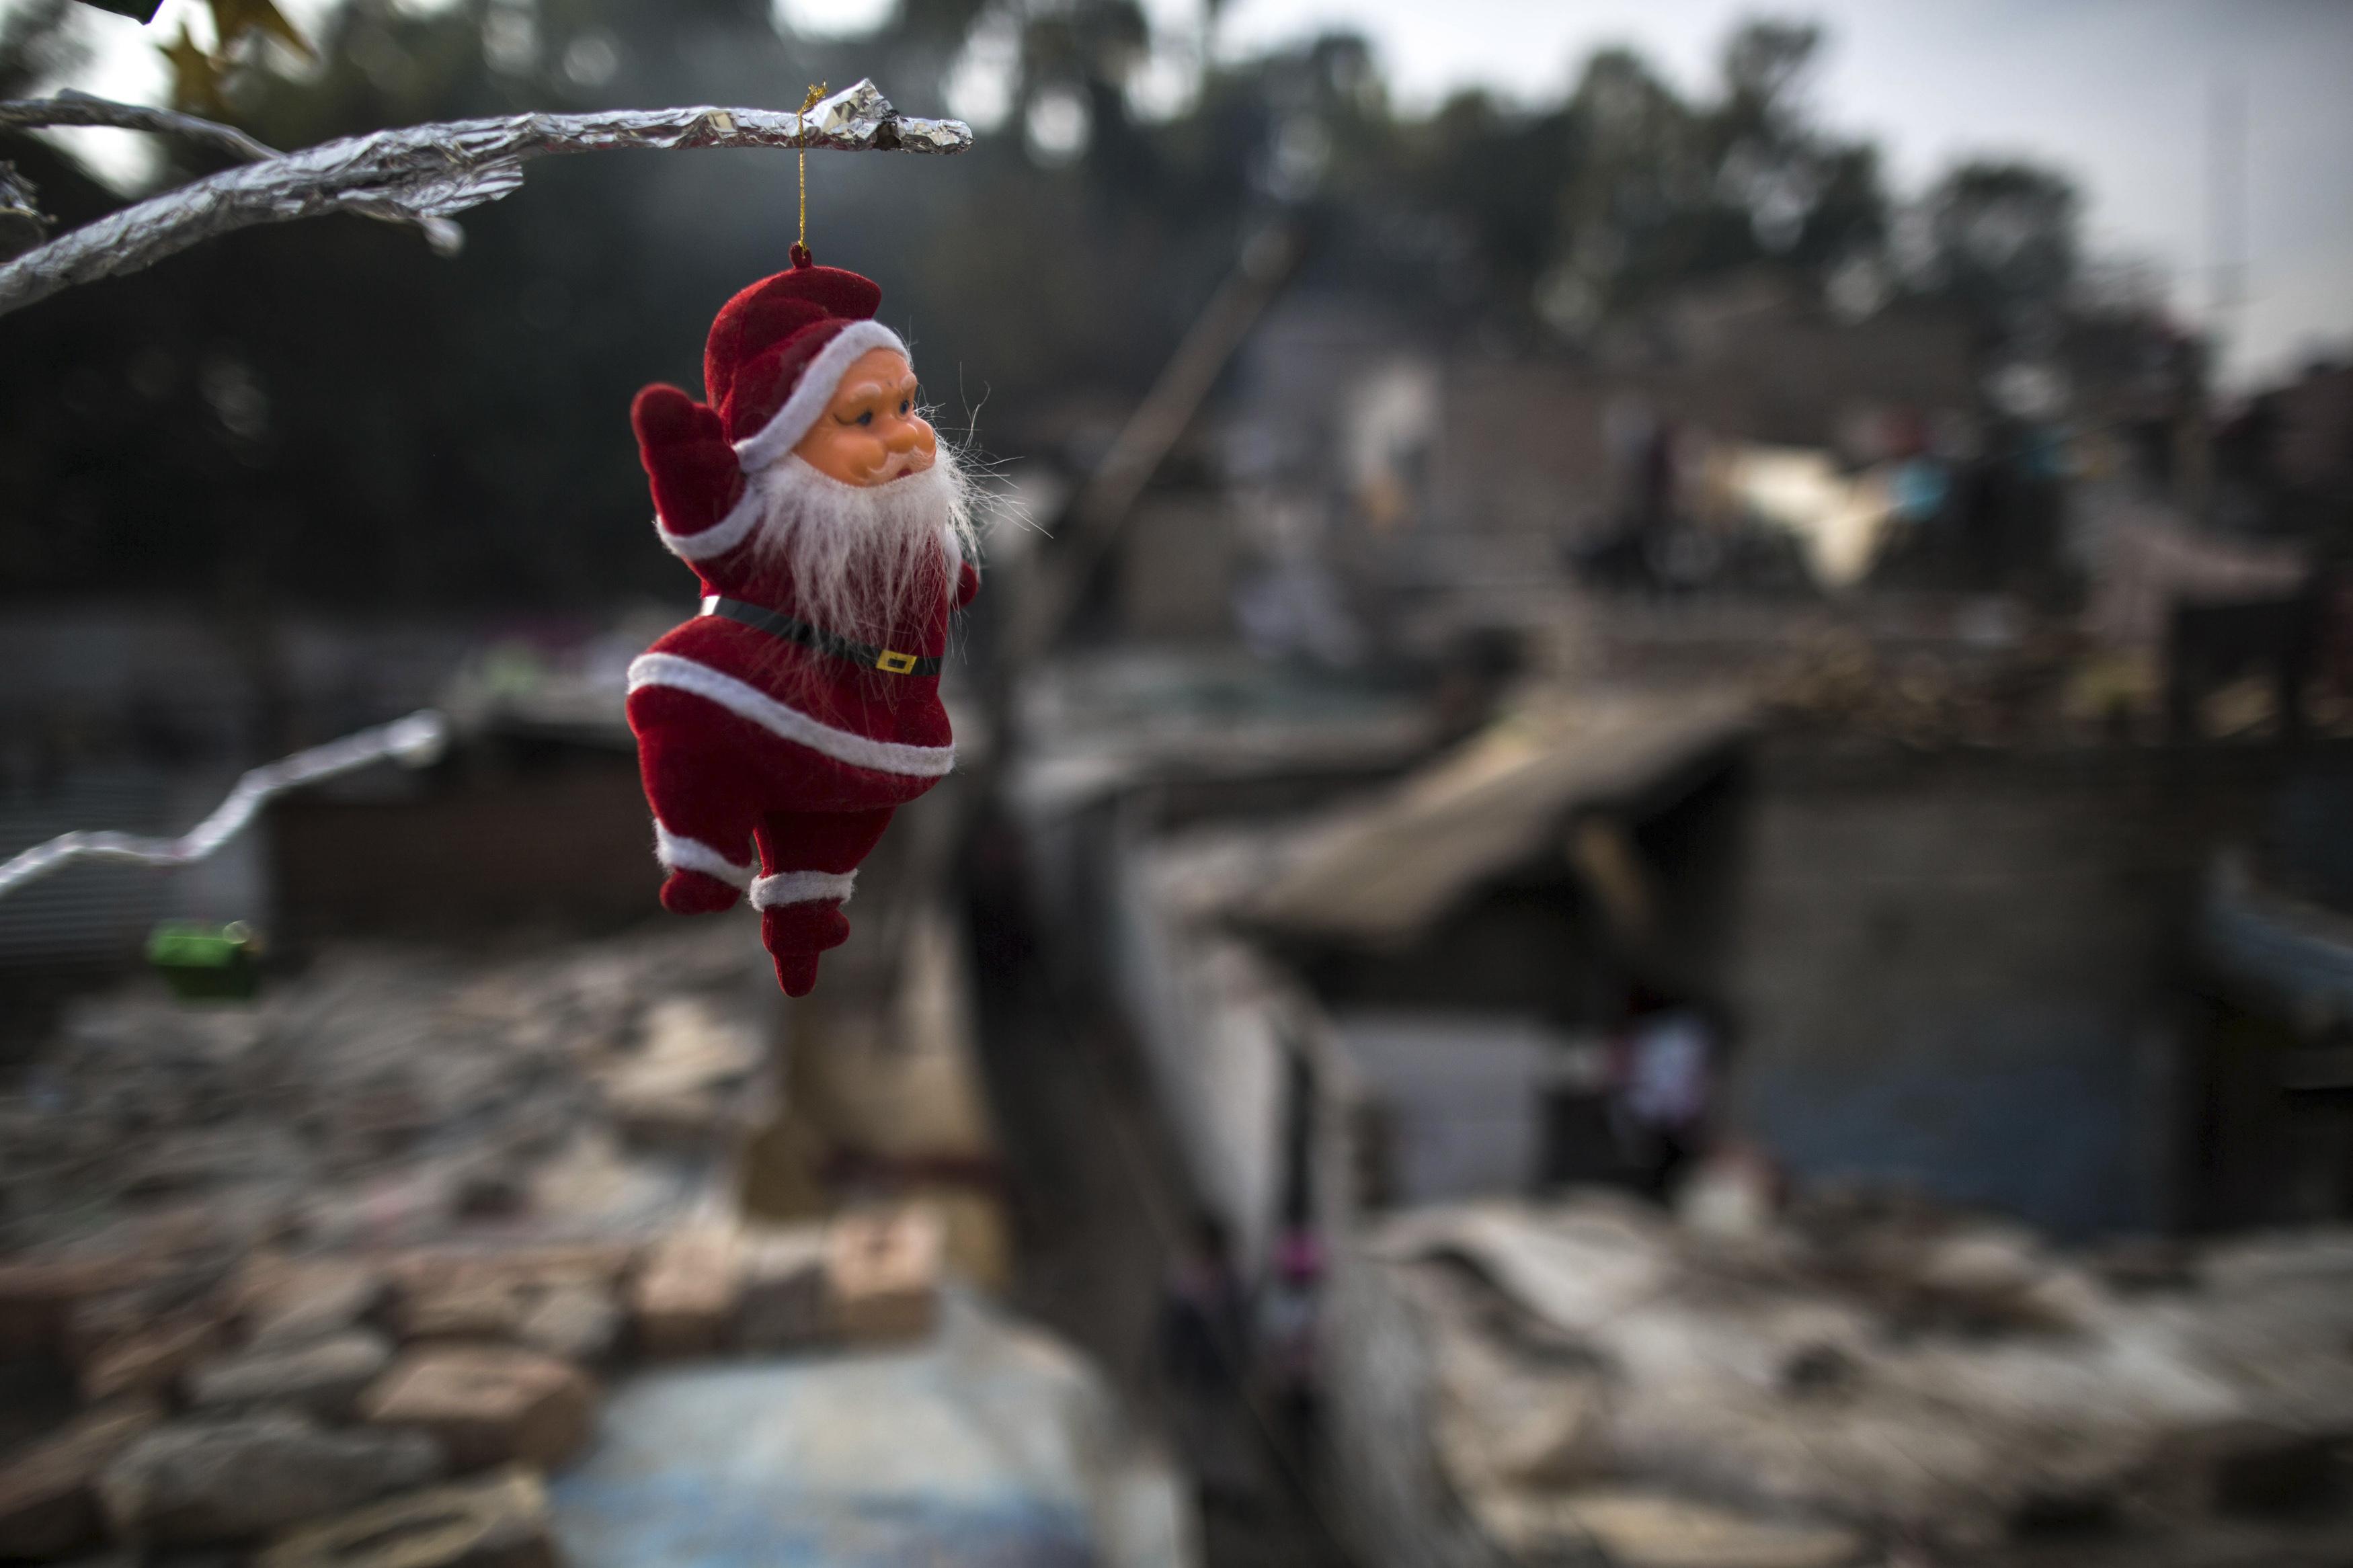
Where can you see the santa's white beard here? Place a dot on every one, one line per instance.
(864, 559)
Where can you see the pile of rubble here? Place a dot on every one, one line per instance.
(1860, 1385)
(333, 1277)
(1930, 694)
(394, 1095)
(316, 1401)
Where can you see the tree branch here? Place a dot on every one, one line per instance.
(82, 108)
(71, 108)
(20, 203)
(423, 172)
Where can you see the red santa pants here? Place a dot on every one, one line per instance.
(719, 783)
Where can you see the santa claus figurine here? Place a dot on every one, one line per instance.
(833, 535)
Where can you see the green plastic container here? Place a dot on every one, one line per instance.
(205, 962)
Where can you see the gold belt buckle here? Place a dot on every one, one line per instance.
(890, 661)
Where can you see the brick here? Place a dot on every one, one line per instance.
(546, 1264)
(681, 1119)
(49, 1498)
(175, 1293)
(101, 1323)
(497, 1522)
(2239, 1468)
(684, 1300)
(785, 1303)
(488, 1404)
(576, 1323)
(687, 1083)
(153, 1357)
(283, 1300)
(178, 1234)
(38, 1295)
(1637, 1527)
(470, 1307)
(321, 1377)
(882, 1270)
(200, 1482)
(493, 1296)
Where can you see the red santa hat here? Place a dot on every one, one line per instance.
(779, 349)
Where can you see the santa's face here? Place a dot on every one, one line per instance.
(867, 517)
(870, 435)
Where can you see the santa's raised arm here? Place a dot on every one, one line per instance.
(833, 535)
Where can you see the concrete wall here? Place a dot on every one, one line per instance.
(1388, 1494)
(1522, 462)
(1177, 557)
(1522, 454)
(1211, 1032)
(1965, 971)
(552, 838)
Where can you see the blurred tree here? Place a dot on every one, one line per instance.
(36, 45)
(1809, 197)
(242, 29)
(234, 20)
(324, 411)
(196, 76)
(1629, 195)
(2003, 243)
(1669, 193)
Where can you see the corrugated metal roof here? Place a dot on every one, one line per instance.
(1382, 872)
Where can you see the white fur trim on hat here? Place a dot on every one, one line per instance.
(802, 888)
(783, 433)
(677, 852)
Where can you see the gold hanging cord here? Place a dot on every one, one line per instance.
(800, 129)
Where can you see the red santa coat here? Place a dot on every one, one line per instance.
(746, 740)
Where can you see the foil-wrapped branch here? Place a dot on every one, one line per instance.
(420, 173)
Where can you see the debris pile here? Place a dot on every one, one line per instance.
(2001, 690)
(1868, 1379)
(227, 1407)
(336, 1276)
(395, 1095)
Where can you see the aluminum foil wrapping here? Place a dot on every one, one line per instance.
(20, 203)
(71, 108)
(423, 173)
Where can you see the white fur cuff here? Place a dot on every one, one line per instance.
(680, 853)
(721, 536)
(802, 888)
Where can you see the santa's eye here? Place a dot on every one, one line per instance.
(867, 418)
(905, 404)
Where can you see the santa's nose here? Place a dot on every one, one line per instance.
(904, 435)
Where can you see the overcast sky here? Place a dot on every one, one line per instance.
(2117, 93)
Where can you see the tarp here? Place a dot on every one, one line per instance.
(1836, 517)
(989, 1446)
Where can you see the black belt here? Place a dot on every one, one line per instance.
(890, 661)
